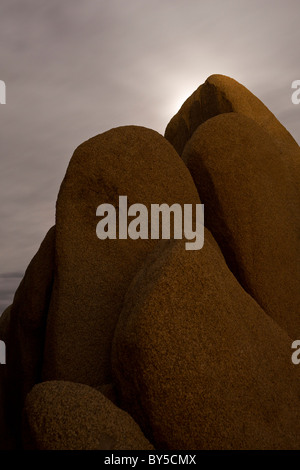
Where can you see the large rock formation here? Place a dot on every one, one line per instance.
(251, 209)
(200, 350)
(198, 363)
(70, 416)
(93, 275)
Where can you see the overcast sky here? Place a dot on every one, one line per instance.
(74, 69)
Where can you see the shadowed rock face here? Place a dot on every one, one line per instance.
(252, 210)
(24, 330)
(199, 365)
(92, 275)
(69, 416)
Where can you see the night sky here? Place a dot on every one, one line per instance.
(74, 69)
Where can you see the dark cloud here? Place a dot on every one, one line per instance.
(74, 69)
(16, 275)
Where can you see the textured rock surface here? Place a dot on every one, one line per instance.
(220, 94)
(198, 363)
(69, 416)
(93, 275)
(251, 209)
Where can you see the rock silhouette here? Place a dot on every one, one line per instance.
(142, 344)
(25, 326)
